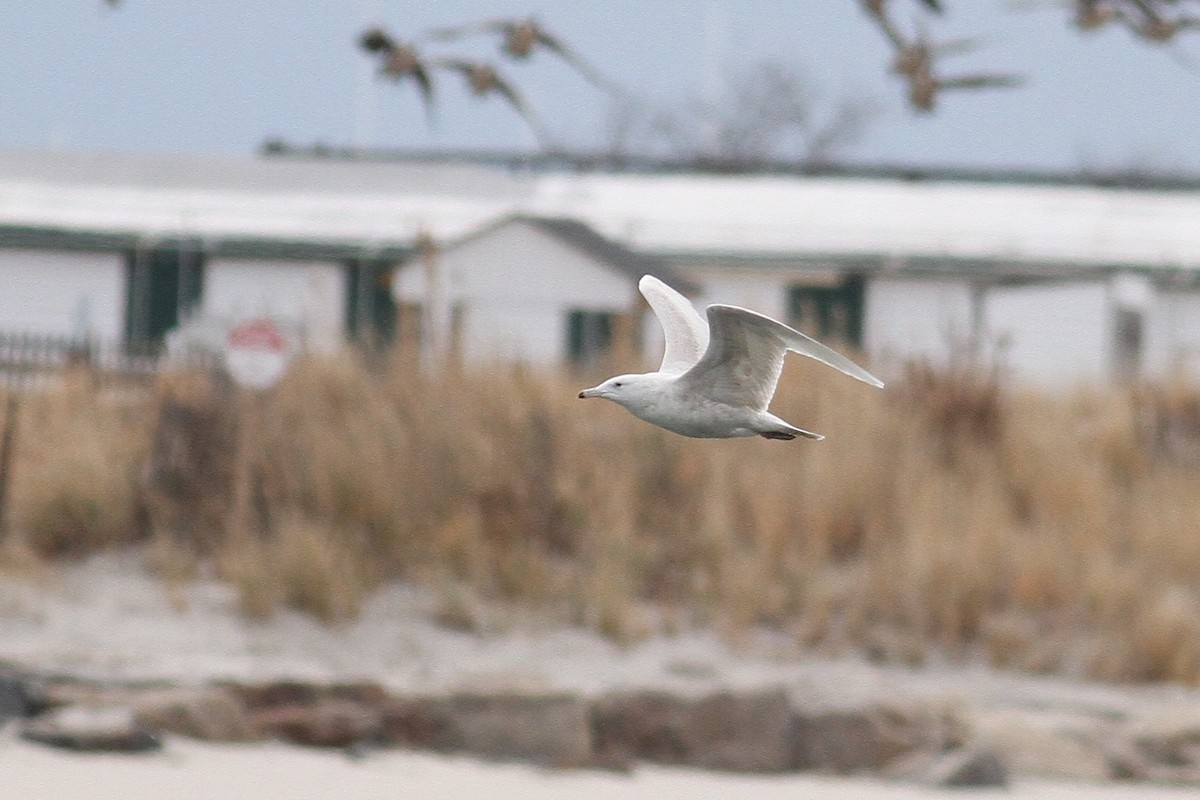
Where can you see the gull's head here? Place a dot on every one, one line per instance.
(626, 390)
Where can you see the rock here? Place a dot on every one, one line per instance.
(279, 693)
(751, 731)
(1171, 739)
(646, 726)
(839, 741)
(1164, 748)
(846, 741)
(968, 768)
(419, 723)
(1129, 762)
(328, 722)
(1032, 748)
(746, 732)
(551, 730)
(368, 694)
(59, 693)
(340, 715)
(14, 696)
(212, 713)
(109, 729)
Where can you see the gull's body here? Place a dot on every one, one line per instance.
(717, 377)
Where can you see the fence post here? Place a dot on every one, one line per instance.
(8, 440)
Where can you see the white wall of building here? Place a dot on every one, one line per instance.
(531, 334)
(1053, 335)
(308, 296)
(514, 286)
(1173, 334)
(764, 293)
(905, 319)
(62, 293)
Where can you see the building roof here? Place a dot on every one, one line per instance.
(25, 237)
(609, 163)
(770, 216)
(579, 236)
(346, 205)
(895, 222)
(213, 173)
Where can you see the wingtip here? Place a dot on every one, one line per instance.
(866, 378)
(648, 285)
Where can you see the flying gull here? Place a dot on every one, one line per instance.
(717, 379)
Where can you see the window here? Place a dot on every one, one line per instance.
(829, 312)
(589, 335)
(370, 307)
(161, 286)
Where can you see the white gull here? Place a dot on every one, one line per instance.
(717, 379)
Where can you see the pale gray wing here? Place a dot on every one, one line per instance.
(684, 330)
(797, 342)
(742, 363)
(744, 358)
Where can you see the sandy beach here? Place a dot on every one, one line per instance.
(106, 619)
(188, 769)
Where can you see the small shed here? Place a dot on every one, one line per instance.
(533, 289)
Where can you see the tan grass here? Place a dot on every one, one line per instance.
(942, 515)
(312, 567)
(75, 474)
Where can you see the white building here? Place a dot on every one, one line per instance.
(1064, 281)
(537, 289)
(125, 247)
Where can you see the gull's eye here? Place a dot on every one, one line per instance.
(618, 384)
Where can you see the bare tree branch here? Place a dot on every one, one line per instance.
(772, 113)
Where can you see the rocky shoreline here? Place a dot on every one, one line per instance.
(760, 730)
(99, 655)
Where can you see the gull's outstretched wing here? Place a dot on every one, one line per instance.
(744, 359)
(684, 330)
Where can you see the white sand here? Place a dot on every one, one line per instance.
(106, 618)
(277, 772)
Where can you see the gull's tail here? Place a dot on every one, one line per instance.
(778, 429)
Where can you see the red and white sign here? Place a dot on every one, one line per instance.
(257, 353)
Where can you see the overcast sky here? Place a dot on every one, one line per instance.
(222, 76)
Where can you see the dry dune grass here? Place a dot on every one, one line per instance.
(942, 517)
(75, 477)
